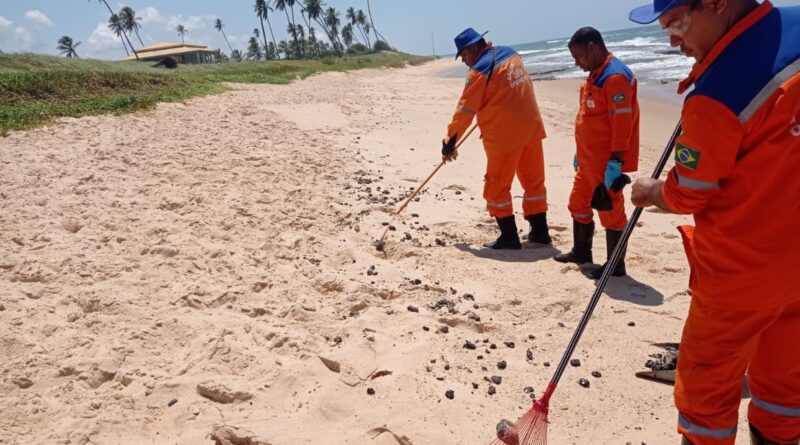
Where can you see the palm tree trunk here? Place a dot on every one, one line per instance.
(377, 34)
(137, 35)
(291, 22)
(264, 35)
(125, 46)
(366, 41)
(226, 40)
(328, 33)
(296, 42)
(274, 42)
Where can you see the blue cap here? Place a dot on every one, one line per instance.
(467, 37)
(650, 13)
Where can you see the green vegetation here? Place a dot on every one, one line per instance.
(35, 89)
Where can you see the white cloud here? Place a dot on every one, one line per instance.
(191, 23)
(38, 17)
(103, 40)
(16, 38)
(151, 15)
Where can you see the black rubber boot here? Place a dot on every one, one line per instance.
(509, 238)
(539, 233)
(685, 441)
(756, 438)
(612, 238)
(582, 252)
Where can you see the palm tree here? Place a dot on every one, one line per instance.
(281, 5)
(115, 25)
(67, 47)
(254, 50)
(262, 9)
(361, 19)
(236, 55)
(111, 11)
(219, 26)
(352, 16)
(333, 22)
(181, 30)
(374, 29)
(347, 34)
(314, 11)
(130, 22)
(367, 29)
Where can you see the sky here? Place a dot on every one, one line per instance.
(414, 26)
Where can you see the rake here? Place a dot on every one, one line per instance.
(381, 243)
(531, 429)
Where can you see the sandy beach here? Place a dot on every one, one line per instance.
(210, 264)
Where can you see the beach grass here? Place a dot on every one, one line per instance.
(35, 89)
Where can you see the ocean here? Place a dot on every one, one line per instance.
(645, 49)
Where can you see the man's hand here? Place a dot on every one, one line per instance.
(646, 192)
(613, 172)
(449, 152)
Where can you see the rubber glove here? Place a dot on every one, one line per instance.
(449, 146)
(613, 172)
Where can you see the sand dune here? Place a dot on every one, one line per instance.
(206, 270)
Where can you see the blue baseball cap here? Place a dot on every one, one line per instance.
(650, 13)
(467, 37)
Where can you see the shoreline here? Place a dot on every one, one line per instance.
(660, 91)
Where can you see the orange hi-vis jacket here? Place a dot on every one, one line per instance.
(500, 92)
(738, 164)
(608, 117)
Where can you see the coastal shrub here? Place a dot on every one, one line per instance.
(357, 48)
(380, 45)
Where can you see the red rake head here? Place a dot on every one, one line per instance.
(531, 429)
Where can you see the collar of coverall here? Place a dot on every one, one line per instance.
(740, 27)
(597, 72)
(488, 47)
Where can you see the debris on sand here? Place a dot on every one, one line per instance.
(220, 393)
(228, 435)
(507, 433)
(664, 361)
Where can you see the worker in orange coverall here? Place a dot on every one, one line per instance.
(736, 171)
(500, 93)
(607, 139)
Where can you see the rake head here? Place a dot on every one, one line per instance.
(531, 429)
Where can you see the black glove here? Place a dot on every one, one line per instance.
(601, 200)
(448, 147)
(620, 183)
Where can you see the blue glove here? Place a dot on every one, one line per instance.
(613, 172)
(575, 162)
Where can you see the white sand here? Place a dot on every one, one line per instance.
(226, 242)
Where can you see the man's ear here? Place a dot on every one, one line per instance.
(716, 6)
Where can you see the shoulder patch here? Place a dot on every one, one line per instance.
(618, 98)
(687, 156)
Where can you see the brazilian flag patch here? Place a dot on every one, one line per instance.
(469, 81)
(687, 156)
(618, 98)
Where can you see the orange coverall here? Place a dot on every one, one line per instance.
(736, 171)
(607, 121)
(499, 91)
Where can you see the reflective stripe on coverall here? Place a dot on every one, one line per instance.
(736, 171)
(511, 129)
(607, 121)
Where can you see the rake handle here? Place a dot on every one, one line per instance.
(422, 185)
(610, 266)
